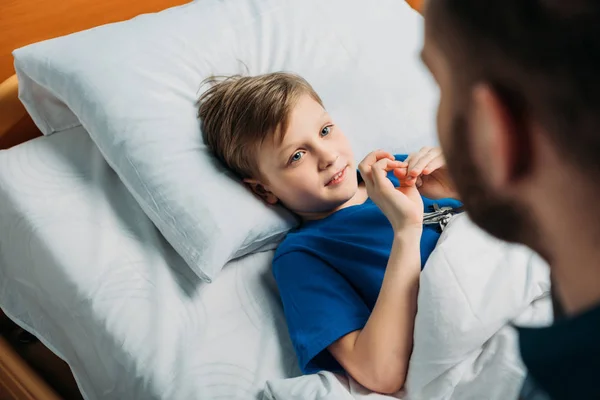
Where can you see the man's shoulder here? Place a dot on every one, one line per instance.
(531, 391)
(568, 370)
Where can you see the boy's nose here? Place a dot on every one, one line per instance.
(327, 159)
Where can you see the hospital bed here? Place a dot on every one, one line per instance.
(86, 268)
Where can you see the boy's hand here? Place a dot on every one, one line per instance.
(427, 170)
(402, 206)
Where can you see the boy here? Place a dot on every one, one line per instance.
(348, 277)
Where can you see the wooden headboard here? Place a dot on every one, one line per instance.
(23, 22)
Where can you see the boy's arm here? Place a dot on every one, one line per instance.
(377, 356)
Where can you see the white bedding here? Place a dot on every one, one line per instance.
(472, 290)
(83, 268)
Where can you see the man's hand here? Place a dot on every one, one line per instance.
(427, 171)
(402, 206)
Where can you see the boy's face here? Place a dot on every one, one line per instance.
(312, 171)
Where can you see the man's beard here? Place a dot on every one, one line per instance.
(503, 218)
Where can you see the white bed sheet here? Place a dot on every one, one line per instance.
(84, 269)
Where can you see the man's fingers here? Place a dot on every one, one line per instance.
(408, 182)
(416, 167)
(405, 180)
(400, 173)
(435, 164)
(415, 157)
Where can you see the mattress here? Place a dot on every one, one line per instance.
(85, 270)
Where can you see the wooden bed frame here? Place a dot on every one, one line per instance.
(23, 22)
(28, 370)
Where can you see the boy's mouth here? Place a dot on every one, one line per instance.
(338, 177)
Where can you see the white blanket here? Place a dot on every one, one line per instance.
(84, 269)
(473, 289)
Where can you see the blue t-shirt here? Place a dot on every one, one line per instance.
(329, 273)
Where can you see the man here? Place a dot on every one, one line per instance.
(519, 123)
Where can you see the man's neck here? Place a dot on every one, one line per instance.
(569, 236)
(576, 279)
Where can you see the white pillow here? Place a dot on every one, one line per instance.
(133, 86)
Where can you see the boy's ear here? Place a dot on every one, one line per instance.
(261, 191)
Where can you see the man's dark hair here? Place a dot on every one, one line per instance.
(541, 56)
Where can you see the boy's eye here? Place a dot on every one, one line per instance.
(326, 130)
(296, 157)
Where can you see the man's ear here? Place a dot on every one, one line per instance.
(499, 143)
(261, 191)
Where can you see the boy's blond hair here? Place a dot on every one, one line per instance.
(240, 112)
